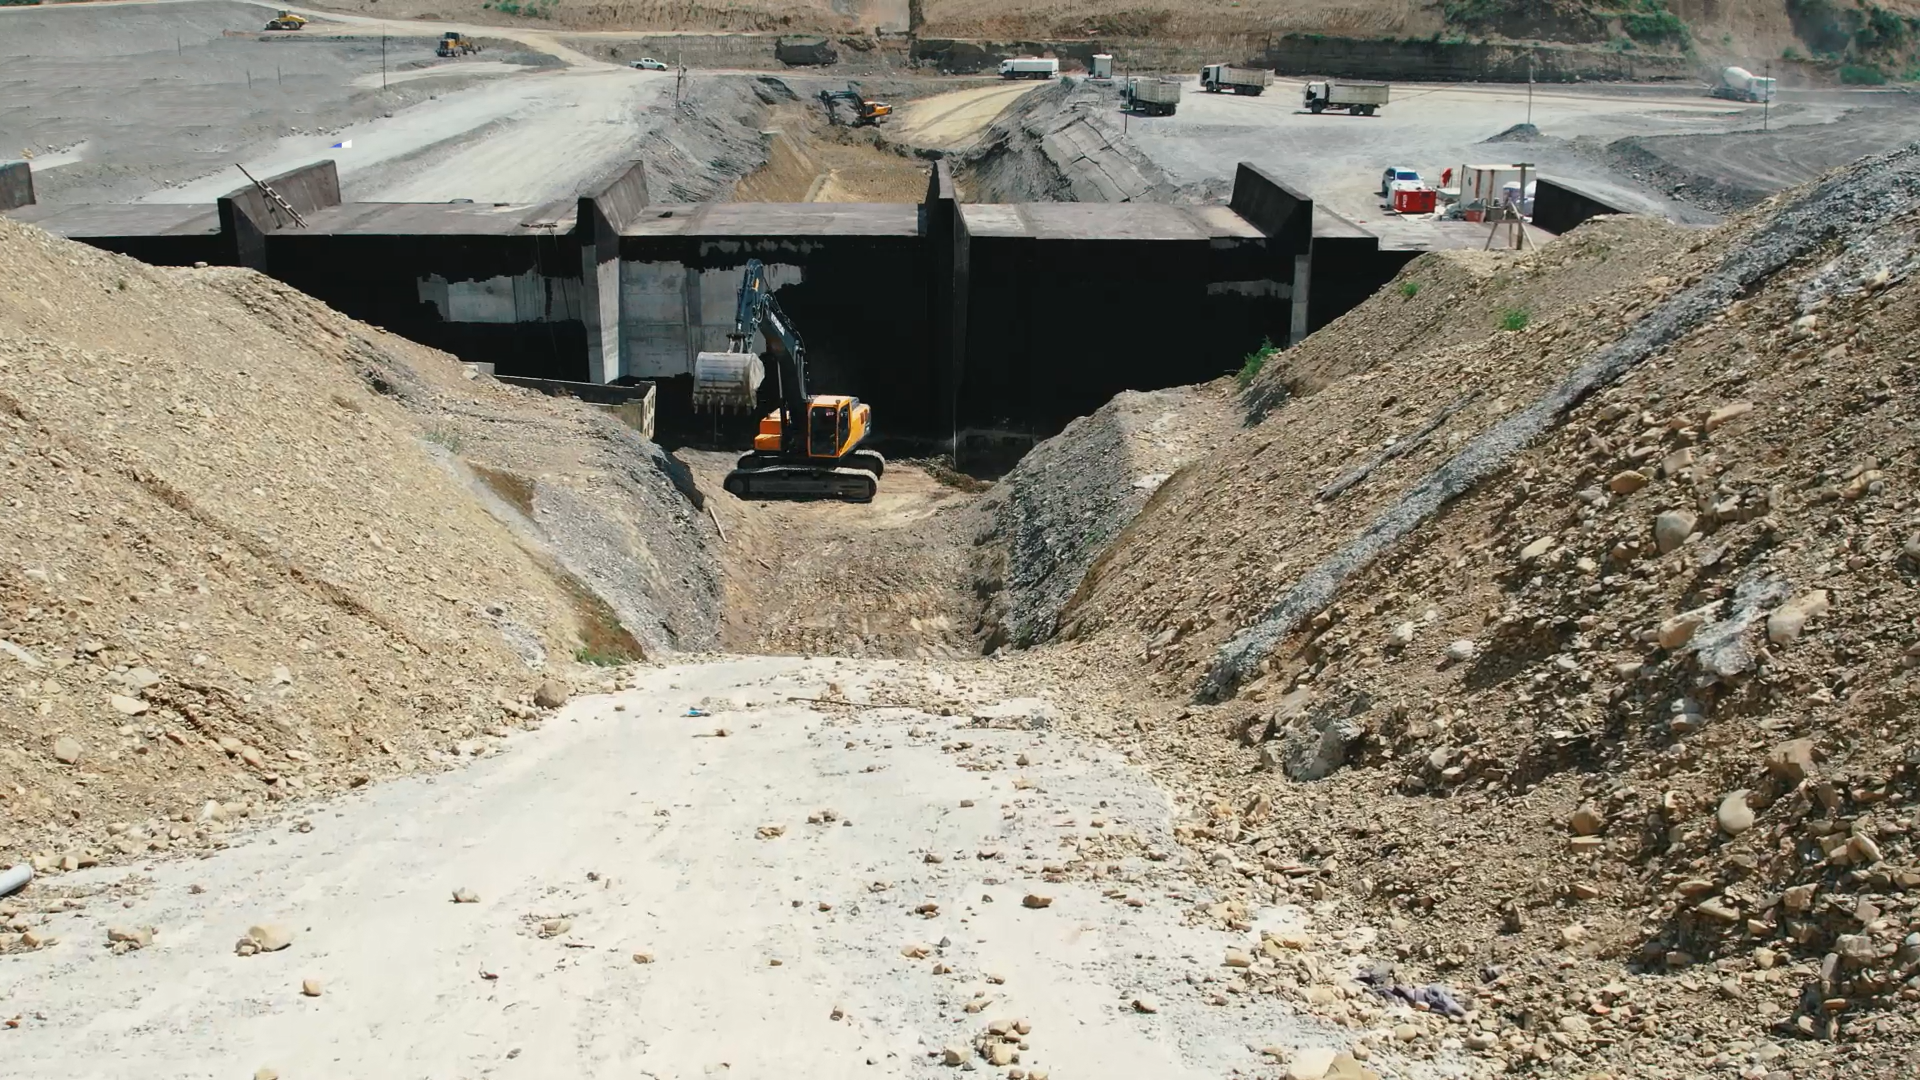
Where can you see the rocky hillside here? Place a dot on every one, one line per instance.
(1554, 618)
(251, 549)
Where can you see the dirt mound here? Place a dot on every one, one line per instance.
(1650, 675)
(255, 550)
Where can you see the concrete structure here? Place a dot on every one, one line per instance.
(971, 327)
(1559, 206)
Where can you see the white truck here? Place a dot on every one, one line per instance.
(1739, 84)
(1154, 97)
(1029, 67)
(1220, 78)
(1358, 98)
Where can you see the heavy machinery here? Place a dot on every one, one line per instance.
(1154, 97)
(286, 20)
(809, 446)
(851, 108)
(1029, 67)
(1358, 98)
(456, 44)
(1739, 84)
(1221, 78)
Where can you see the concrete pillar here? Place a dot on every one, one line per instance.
(1302, 281)
(596, 229)
(947, 276)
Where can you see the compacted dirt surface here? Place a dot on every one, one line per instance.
(874, 868)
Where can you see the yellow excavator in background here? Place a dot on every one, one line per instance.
(809, 446)
(287, 20)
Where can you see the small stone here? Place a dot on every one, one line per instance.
(266, 1073)
(643, 958)
(1533, 552)
(1735, 815)
(127, 706)
(1764, 958)
(1583, 890)
(1402, 635)
(253, 757)
(66, 750)
(465, 895)
(769, 832)
(1789, 620)
(551, 694)
(1000, 1055)
(310, 987)
(137, 937)
(1719, 910)
(1672, 528)
(270, 937)
(1571, 935)
(140, 679)
(1799, 898)
(1237, 958)
(1405, 1033)
(1576, 1026)
(1864, 849)
(1626, 483)
(1145, 1005)
(916, 950)
(1310, 1062)
(1481, 1041)
(1791, 761)
(1461, 651)
(1587, 821)
(1732, 410)
(555, 927)
(1675, 632)
(953, 1055)
(1035, 900)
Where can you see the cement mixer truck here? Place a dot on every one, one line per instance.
(1739, 84)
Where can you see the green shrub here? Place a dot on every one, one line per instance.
(1515, 319)
(1651, 22)
(1862, 75)
(1789, 53)
(1409, 289)
(600, 659)
(1255, 360)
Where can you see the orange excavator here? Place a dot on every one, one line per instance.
(808, 447)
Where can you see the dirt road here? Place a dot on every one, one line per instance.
(956, 119)
(776, 941)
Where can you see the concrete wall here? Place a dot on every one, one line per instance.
(1559, 206)
(1286, 217)
(247, 215)
(16, 185)
(949, 292)
(598, 222)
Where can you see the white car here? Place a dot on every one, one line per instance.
(648, 63)
(1399, 174)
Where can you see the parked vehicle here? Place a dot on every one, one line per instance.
(1220, 78)
(455, 44)
(648, 63)
(1154, 97)
(1399, 174)
(1358, 98)
(1029, 67)
(1739, 84)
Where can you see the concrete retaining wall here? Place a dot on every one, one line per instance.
(598, 222)
(1559, 206)
(247, 215)
(16, 185)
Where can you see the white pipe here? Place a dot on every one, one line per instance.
(15, 879)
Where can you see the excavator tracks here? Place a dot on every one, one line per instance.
(802, 482)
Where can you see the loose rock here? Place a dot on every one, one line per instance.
(551, 694)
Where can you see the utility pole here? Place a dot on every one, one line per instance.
(1766, 104)
(383, 59)
(1529, 91)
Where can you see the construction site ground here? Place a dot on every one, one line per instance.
(1517, 677)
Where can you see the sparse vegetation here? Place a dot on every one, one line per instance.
(1255, 360)
(598, 659)
(1862, 75)
(446, 438)
(1409, 289)
(1649, 21)
(1789, 53)
(1515, 319)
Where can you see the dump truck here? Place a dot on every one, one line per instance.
(452, 44)
(1739, 84)
(286, 20)
(1029, 67)
(1154, 97)
(1220, 78)
(1358, 98)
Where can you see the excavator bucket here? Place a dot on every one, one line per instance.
(727, 380)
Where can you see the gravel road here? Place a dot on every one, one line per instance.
(647, 832)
